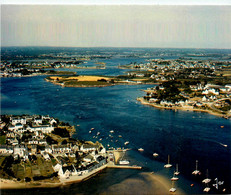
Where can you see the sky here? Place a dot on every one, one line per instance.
(177, 26)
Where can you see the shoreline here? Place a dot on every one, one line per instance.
(6, 184)
(159, 183)
(182, 108)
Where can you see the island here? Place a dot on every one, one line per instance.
(39, 151)
(96, 81)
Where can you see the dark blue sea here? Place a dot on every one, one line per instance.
(185, 136)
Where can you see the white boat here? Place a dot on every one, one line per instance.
(123, 162)
(98, 133)
(141, 149)
(196, 172)
(100, 139)
(89, 131)
(207, 180)
(174, 178)
(111, 131)
(155, 154)
(207, 189)
(92, 129)
(168, 165)
(126, 143)
(176, 172)
(172, 189)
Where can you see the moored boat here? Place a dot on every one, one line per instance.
(141, 149)
(176, 172)
(155, 154)
(168, 165)
(172, 189)
(207, 189)
(207, 180)
(123, 162)
(196, 172)
(174, 178)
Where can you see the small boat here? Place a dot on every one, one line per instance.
(119, 135)
(123, 162)
(89, 131)
(111, 131)
(93, 136)
(174, 178)
(126, 143)
(222, 126)
(92, 129)
(100, 139)
(207, 189)
(168, 165)
(196, 172)
(207, 180)
(172, 189)
(176, 172)
(216, 185)
(98, 133)
(141, 149)
(155, 154)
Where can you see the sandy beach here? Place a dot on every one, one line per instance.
(147, 183)
(80, 78)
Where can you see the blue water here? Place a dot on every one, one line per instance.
(185, 136)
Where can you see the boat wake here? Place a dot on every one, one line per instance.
(223, 145)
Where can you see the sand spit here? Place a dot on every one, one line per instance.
(146, 183)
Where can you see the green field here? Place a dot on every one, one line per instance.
(2, 139)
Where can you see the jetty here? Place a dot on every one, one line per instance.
(124, 166)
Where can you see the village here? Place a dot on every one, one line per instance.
(214, 99)
(41, 148)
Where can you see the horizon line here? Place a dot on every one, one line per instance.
(118, 2)
(122, 47)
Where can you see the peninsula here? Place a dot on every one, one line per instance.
(39, 151)
(176, 95)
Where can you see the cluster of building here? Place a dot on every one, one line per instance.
(179, 68)
(164, 65)
(210, 94)
(22, 131)
(8, 71)
(27, 135)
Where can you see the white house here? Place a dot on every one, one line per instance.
(57, 167)
(21, 151)
(48, 149)
(89, 158)
(67, 171)
(38, 121)
(204, 99)
(43, 128)
(15, 120)
(89, 147)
